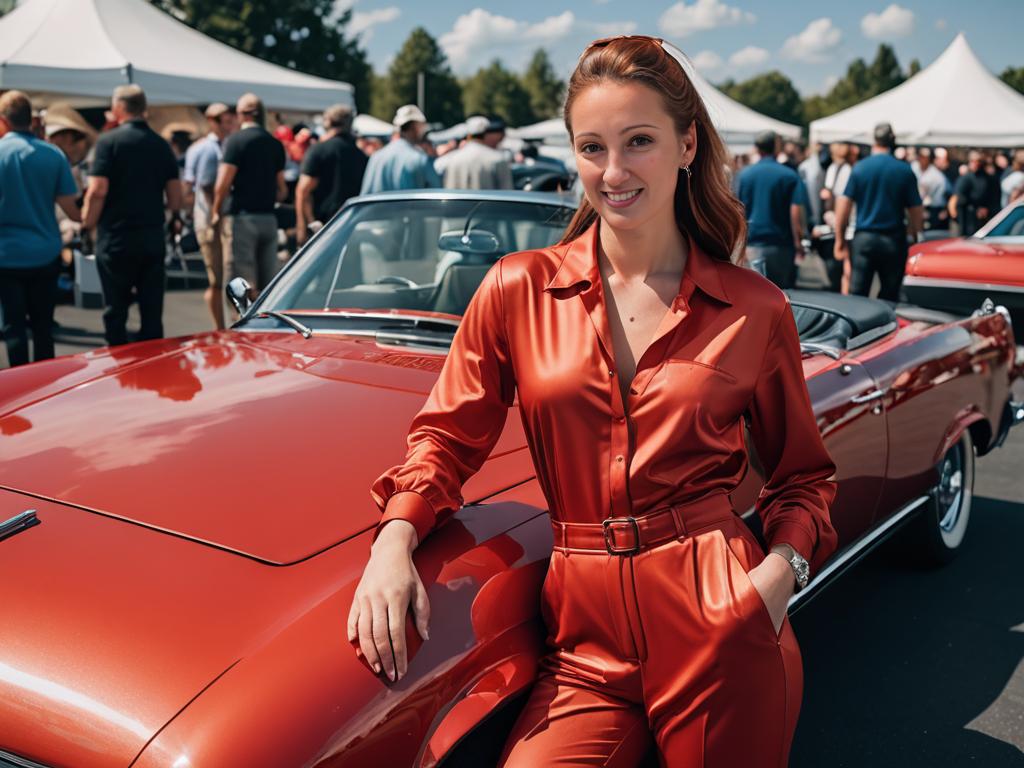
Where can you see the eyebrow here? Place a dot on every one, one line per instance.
(627, 129)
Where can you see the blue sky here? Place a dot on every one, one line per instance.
(811, 42)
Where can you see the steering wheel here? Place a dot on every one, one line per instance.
(397, 280)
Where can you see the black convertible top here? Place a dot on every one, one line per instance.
(835, 320)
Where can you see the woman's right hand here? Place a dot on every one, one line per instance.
(390, 584)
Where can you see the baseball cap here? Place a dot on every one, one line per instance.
(477, 125)
(217, 109)
(408, 113)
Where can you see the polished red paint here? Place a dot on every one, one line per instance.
(972, 260)
(205, 518)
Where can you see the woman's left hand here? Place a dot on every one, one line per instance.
(774, 579)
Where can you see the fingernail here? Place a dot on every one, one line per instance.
(376, 668)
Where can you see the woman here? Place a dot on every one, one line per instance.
(638, 351)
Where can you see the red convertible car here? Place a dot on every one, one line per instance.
(183, 521)
(957, 274)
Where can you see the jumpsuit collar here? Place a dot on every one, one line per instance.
(579, 265)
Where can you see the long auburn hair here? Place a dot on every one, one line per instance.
(705, 205)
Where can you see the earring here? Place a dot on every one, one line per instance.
(688, 174)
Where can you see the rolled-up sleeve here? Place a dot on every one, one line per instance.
(455, 430)
(799, 472)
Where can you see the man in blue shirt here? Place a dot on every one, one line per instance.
(402, 164)
(882, 188)
(773, 195)
(33, 176)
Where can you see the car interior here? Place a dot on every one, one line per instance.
(391, 265)
(840, 322)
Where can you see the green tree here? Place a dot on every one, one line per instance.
(1014, 77)
(771, 93)
(7, 5)
(884, 72)
(494, 90)
(305, 35)
(545, 89)
(914, 68)
(420, 53)
(861, 82)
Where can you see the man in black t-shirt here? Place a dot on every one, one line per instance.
(332, 172)
(252, 173)
(972, 201)
(132, 171)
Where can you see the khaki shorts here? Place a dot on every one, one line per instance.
(211, 246)
(252, 252)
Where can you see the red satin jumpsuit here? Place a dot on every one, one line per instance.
(674, 643)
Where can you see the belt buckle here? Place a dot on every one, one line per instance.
(609, 535)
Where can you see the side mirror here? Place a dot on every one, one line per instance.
(237, 290)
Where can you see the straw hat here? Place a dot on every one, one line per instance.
(61, 116)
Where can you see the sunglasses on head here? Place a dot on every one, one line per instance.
(666, 46)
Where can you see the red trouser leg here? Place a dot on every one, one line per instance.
(675, 639)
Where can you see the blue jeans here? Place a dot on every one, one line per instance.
(776, 262)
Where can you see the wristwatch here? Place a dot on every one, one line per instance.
(801, 569)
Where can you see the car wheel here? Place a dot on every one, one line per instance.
(943, 521)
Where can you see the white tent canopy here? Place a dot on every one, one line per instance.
(955, 101)
(82, 49)
(736, 123)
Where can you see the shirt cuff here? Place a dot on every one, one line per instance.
(796, 536)
(411, 507)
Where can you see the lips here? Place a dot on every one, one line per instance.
(622, 199)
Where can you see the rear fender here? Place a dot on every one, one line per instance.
(966, 419)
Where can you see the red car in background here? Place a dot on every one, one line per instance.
(957, 274)
(183, 522)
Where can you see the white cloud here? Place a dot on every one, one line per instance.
(815, 43)
(476, 36)
(895, 21)
(609, 28)
(706, 61)
(830, 82)
(751, 56)
(680, 20)
(364, 21)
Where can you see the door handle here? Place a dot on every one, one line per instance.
(868, 397)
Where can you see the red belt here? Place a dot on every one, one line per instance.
(631, 535)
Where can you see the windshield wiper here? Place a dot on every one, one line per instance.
(305, 330)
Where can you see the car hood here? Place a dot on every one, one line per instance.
(109, 630)
(265, 444)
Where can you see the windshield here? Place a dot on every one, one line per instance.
(420, 255)
(1011, 226)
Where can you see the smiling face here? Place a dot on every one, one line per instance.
(628, 152)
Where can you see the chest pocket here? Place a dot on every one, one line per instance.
(704, 388)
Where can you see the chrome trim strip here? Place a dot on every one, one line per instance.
(564, 200)
(853, 553)
(417, 319)
(850, 555)
(935, 282)
(18, 523)
(21, 762)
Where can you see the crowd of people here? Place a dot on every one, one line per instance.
(229, 188)
(862, 208)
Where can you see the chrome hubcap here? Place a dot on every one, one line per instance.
(949, 494)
